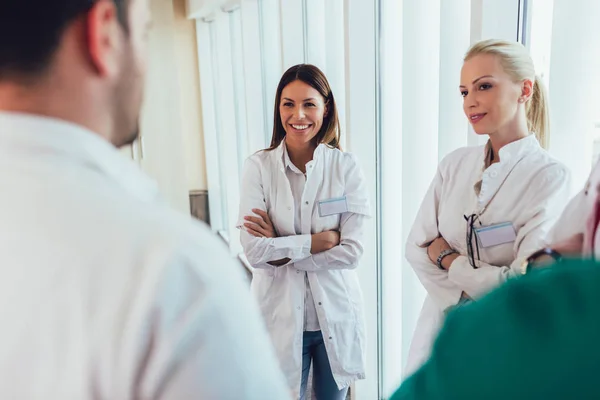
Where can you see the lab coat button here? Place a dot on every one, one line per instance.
(319, 303)
(330, 337)
(298, 307)
(307, 202)
(494, 174)
(289, 208)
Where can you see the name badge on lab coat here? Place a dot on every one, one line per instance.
(497, 234)
(333, 206)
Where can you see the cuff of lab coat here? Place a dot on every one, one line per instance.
(305, 242)
(301, 246)
(460, 269)
(312, 263)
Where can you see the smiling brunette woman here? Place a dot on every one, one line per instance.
(304, 203)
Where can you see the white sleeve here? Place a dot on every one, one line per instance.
(549, 195)
(261, 251)
(205, 337)
(572, 220)
(347, 254)
(442, 290)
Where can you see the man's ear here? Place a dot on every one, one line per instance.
(104, 37)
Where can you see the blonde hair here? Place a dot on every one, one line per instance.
(517, 63)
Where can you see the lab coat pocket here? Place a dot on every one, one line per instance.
(329, 212)
(333, 206)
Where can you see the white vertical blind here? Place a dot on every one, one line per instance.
(392, 115)
(361, 87)
(316, 27)
(271, 52)
(226, 137)
(455, 34)
(239, 89)
(209, 120)
(420, 121)
(253, 76)
(574, 84)
(292, 33)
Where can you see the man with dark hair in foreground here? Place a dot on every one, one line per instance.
(105, 293)
(537, 337)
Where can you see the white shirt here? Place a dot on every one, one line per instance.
(334, 284)
(527, 188)
(105, 293)
(297, 181)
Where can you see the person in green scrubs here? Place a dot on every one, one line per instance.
(537, 337)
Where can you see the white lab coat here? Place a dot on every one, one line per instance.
(573, 219)
(281, 290)
(532, 197)
(106, 293)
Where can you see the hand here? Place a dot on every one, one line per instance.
(436, 247)
(572, 246)
(324, 241)
(260, 226)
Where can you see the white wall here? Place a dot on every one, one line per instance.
(191, 108)
(171, 145)
(161, 122)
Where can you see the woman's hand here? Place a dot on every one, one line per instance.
(572, 246)
(324, 241)
(260, 226)
(436, 247)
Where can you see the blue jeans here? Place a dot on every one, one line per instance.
(313, 348)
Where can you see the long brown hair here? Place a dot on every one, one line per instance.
(313, 76)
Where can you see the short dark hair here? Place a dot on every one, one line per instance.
(311, 75)
(31, 30)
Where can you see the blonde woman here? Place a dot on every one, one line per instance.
(488, 207)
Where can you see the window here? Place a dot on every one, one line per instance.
(564, 38)
(239, 98)
(205, 35)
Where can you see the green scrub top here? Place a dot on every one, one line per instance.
(536, 337)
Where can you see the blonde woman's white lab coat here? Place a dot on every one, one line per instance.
(105, 292)
(280, 291)
(532, 198)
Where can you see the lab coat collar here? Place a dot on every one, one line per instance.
(513, 151)
(495, 174)
(284, 158)
(287, 163)
(29, 133)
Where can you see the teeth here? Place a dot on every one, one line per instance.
(300, 127)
